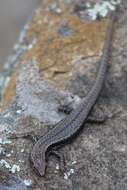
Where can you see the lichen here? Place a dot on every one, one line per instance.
(102, 9)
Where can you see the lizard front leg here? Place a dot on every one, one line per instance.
(92, 118)
(97, 118)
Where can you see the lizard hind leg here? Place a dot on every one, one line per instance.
(97, 119)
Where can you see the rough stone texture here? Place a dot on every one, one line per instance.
(59, 66)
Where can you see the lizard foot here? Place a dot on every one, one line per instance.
(101, 118)
(27, 135)
(97, 118)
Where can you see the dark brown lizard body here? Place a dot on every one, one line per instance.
(69, 126)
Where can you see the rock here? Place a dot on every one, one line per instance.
(55, 63)
(11, 182)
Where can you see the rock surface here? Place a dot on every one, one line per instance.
(55, 63)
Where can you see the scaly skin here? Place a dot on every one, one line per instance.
(69, 126)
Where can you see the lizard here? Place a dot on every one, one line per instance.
(71, 124)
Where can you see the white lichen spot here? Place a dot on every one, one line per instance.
(88, 5)
(74, 162)
(7, 115)
(120, 148)
(5, 163)
(71, 171)
(68, 174)
(21, 161)
(8, 155)
(1, 141)
(65, 176)
(22, 150)
(19, 111)
(5, 141)
(116, 2)
(1, 80)
(58, 11)
(57, 167)
(30, 46)
(28, 182)
(2, 151)
(8, 130)
(102, 9)
(7, 80)
(16, 46)
(55, 8)
(15, 168)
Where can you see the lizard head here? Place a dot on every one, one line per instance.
(40, 167)
(39, 163)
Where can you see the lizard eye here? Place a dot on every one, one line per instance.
(38, 163)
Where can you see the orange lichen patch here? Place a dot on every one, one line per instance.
(55, 53)
(10, 91)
